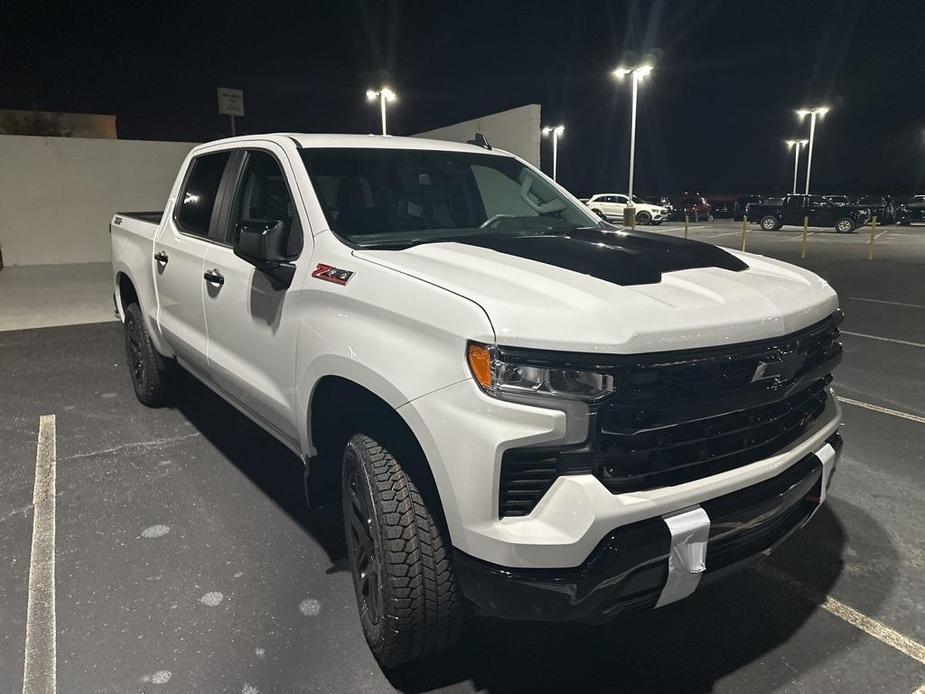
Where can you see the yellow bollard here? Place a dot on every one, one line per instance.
(744, 230)
(805, 230)
(873, 231)
(685, 225)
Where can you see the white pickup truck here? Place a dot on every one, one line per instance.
(522, 407)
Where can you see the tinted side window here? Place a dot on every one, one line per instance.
(263, 194)
(198, 198)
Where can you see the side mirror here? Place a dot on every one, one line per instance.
(262, 243)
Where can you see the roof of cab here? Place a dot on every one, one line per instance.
(380, 141)
(317, 140)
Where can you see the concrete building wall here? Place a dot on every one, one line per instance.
(57, 194)
(516, 130)
(53, 123)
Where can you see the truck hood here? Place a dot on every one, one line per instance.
(618, 292)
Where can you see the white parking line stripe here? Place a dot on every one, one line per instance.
(882, 301)
(885, 231)
(883, 410)
(883, 339)
(39, 671)
(868, 625)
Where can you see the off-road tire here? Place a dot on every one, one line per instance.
(151, 376)
(406, 594)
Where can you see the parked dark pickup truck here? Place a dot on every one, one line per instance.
(819, 211)
(912, 211)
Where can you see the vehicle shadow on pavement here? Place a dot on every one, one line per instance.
(269, 465)
(688, 646)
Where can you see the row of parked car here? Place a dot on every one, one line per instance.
(843, 213)
(651, 210)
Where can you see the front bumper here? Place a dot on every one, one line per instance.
(659, 560)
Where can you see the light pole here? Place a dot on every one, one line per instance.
(556, 131)
(384, 94)
(812, 113)
(791, 144)
(637, 72)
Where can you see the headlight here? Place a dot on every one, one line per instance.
(500, 378)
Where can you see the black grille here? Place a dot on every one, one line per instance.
(681, 416)
(683, 452)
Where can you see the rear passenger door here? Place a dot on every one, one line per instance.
(179, 251)
(252, 325)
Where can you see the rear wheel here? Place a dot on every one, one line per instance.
(401, 565)
(769, 223)
(151, 378)
(845, 225)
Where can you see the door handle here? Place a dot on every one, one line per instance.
(214, 276)
(161, 257)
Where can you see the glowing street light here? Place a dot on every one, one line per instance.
(638, 73)
(384, 94)
(556, 132)
(812, 113)
(791, 144)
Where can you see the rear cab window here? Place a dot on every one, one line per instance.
(196, 203)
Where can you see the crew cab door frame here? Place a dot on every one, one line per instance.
(252, 326)
(177, 262)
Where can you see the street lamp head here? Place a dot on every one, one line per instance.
(550, 129)
(546, 131)
(560, 129)
(814, 111)
(792, 143)
(637, 71)
(385, 93)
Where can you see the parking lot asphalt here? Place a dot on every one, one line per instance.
(186, 560)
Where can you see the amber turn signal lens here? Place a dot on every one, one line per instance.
(480, 364)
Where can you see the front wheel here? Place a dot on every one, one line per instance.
(845, 225)
(151, 378)
(644, 218)
(399, 558)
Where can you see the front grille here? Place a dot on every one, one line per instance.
(681, 416)
(683, 452)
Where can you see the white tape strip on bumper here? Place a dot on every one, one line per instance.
(689, 529)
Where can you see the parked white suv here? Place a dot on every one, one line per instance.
(518, 404)
(611, 206)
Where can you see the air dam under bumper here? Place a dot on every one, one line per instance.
(660, 560)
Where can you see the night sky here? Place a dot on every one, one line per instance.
(713, 116)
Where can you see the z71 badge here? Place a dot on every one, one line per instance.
(329, 273)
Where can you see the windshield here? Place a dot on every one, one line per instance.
(395, 198)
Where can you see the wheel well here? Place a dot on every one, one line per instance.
(339, 409)
(127, 293)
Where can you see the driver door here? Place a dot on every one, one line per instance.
(253, 326)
